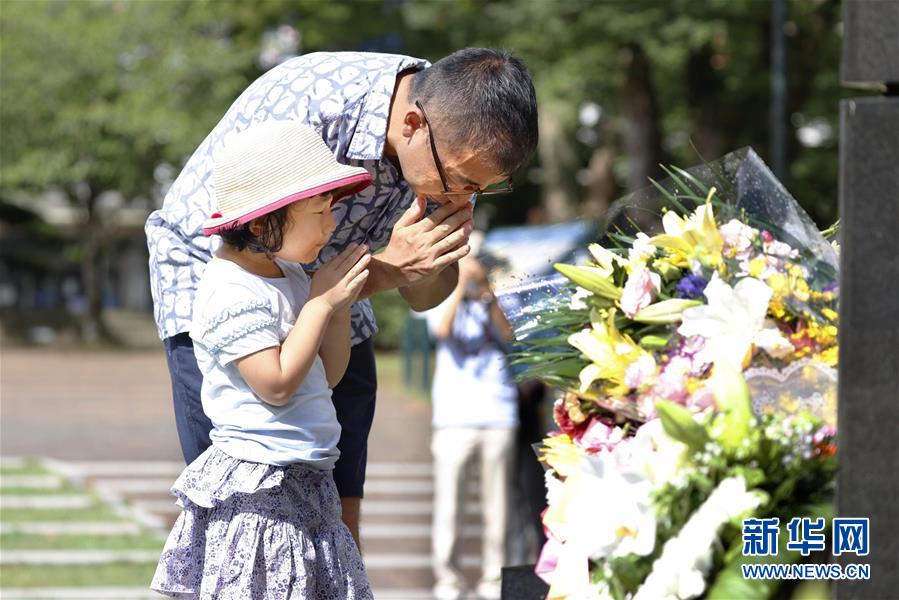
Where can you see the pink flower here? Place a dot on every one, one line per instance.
(549, 557)
(599, 436)
(640, 372)
(737, 239)
(702, 398)
(671, 384)
(825, 433)
(639, 291)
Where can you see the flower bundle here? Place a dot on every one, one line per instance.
(657, 515)
(651, 315)
(696, 350)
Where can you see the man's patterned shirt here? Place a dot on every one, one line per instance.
(346, 97)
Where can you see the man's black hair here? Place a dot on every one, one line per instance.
(267, 242)
(483, 99)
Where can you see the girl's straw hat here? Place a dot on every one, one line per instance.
(270, 165)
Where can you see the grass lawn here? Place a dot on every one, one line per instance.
(391, 375)
(18, 541)
(93, 513)
(117, 574)
(64, 490)
(31, 467)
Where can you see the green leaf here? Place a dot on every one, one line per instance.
(654, 342)
(679, 424)
(686, 190)
(703, 188)
(672, 198)
(732, 396)
(730, 582)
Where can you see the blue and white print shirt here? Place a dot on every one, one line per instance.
(344, 95)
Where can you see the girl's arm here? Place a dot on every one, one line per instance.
(335, 346)
(274, 374)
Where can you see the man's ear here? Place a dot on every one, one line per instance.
(413, 120)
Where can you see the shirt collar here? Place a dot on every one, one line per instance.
(370, 134)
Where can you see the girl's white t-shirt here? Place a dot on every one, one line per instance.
(235, 314)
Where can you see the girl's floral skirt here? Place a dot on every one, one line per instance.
(253, 531)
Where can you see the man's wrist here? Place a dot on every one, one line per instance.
(382, 276)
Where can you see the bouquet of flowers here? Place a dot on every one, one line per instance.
(696, 351)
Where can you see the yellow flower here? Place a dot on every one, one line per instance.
(829, 357)
(696, 236)
(560, 453)
(609, 351)
(801, 290)
(757, 265)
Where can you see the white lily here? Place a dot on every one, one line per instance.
(733, 321)
(627, 522)
(605, 259)
(680, 572)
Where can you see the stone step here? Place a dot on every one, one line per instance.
(380, 561)
(71, 501)
(406, 531)
(373, 487)
(13, 462)
(117, 468)
(402, 508)
(399, 469)
(80, 593)
(388, 561)
(112, 468)
(77, 557)
(143, 593)
(134, 485)
(34, 482)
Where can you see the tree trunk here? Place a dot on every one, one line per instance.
(642, 141)
(557, 165)
(704, 93)
(93, 327)
(601, 188)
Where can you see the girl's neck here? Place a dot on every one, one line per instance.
(256, 263)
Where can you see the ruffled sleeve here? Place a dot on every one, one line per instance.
(239, 327)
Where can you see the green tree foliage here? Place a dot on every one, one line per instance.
(95, 95)
(705, 67)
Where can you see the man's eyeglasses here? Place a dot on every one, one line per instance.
(499, 188)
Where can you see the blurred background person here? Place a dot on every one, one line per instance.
(475, 413)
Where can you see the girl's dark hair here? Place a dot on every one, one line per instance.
(268, 241)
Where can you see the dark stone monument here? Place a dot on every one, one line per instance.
(868, 483)
(521, 583)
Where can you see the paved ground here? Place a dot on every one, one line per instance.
(86, 405)
(108, 417)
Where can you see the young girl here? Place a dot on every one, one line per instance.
(261, 514)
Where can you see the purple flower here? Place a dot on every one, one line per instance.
(691, 286)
